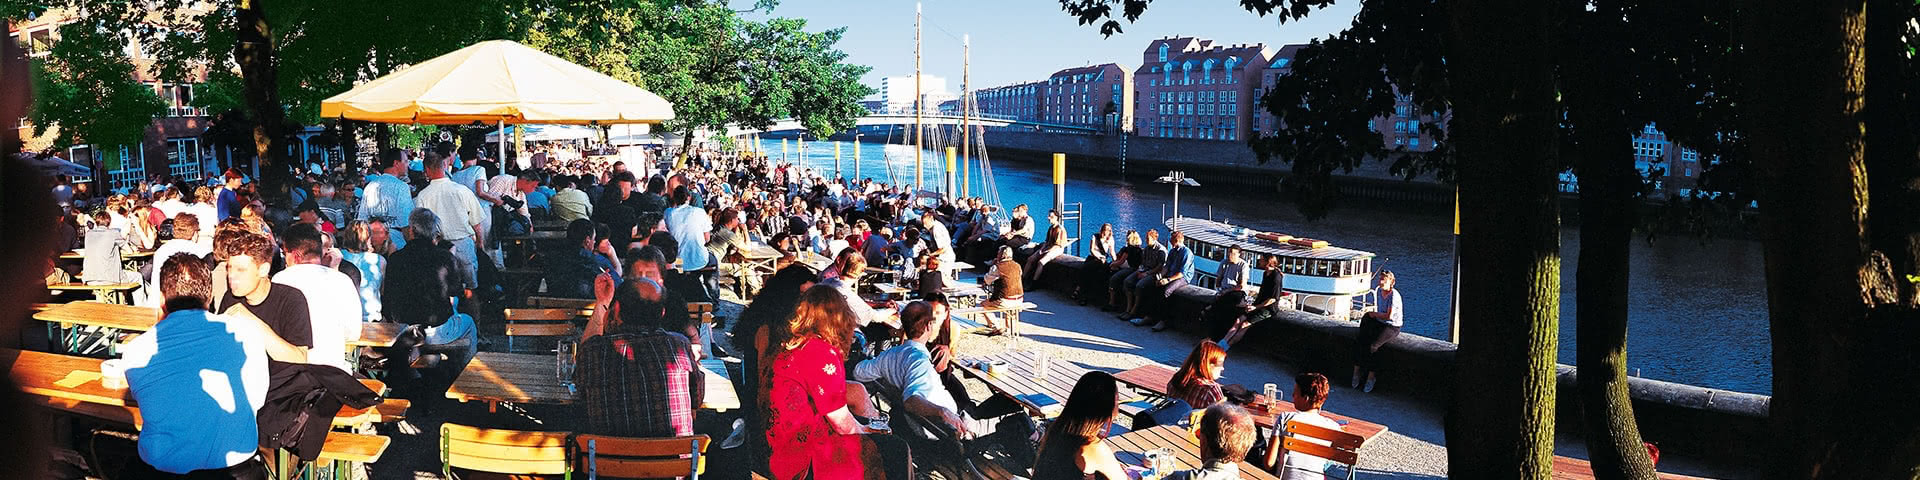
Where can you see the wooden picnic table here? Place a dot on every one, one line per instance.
(102, 292)
(496, 377)
(1569, 468)
(1131, 447)
(81, 254)
(1153, 378)
(66, 379)
(549, 224)
(141, 319)
(1018, 381)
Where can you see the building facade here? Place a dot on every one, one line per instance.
(1193, 88)
(1020, 101)
(896, 93)
(1098, 96)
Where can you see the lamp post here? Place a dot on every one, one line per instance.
(1177, 178)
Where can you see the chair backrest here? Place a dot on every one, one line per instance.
(541, 322)
(626, 457)
(560, 302)
(701, 312)
(502, 451)
(1342, 447)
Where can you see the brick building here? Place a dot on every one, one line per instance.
(1099, 96)
(1020, 101)
(172, 144)
(1193, 88)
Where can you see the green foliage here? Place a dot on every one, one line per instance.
(412, 136)
(1090, 12)
(87, 89)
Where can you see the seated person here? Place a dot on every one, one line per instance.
(1004, 281)
(1197, 382)
(1309, 394)
(688, 285)
(248, 256)
(1075, 443)
(423, 284)
(103, 247)
(637, 378)
(1225, 433)
(644, 265)
(570, 273)
(877, 246)
(333, 302)
(933, 280)
(909, 368)
(191, 428)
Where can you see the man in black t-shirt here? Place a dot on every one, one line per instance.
(248, 255)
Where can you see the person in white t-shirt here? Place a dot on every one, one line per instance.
(459, 213)
(1309, 394)
(333, 301)
(690, 225)
(186, 233)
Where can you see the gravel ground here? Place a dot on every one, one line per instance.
(1413, 447)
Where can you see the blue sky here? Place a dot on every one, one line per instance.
(1025, 40)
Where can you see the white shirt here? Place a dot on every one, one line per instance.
(689, 226)
(1300, 466)
(458, 209)
(507, 186)
(209, 221)
(170, 207)
(387, 196)
(333, 308)
(160, 257)
(373, 274)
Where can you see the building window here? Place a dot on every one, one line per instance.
(183, 158)
(1414, 142)
(1163, 52)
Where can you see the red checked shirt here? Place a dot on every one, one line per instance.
(638, 385)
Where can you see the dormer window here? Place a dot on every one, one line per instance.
(1163, 52)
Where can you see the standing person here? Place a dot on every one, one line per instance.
(388, 199)
(333, 300)
(356, 248)
(509, 214)
(226, 201)
(1074, 446)
(811, 424)
(1309, 395)
(1233, 271)
(1158, 304)
(1055, 245)
(1376, 329)
(1097, 266)
(458, 212)
(1226, 433)
(690, 226)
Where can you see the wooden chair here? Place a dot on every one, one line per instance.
(540, 322)
(1342, 448)
(513, 452)
(623, 457)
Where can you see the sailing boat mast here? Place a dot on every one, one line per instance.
(966, 108)
(918, 99)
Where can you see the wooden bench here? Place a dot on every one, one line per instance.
(512, 452)
(623, 457)
(353, 447)
(560, 302)
(540, 322)
(1569, 468)
(103, 292)
(701, 313)
(1012, 311)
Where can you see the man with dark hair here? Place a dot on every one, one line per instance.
(637, 377)
(186, 233)
(200, 380)
(1309, 394)
(248, 256)
(690, 226)
(654, 199)
(616, 212)
(571, 274)
(227, 204)
(103, 246)
(908, 368)
(571, 203)
(387, 197)
(1226, 433)
(333, 303)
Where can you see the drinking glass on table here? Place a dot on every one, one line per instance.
(1273, 394)
(564, 361)
(1163, 461)
(1041, 361)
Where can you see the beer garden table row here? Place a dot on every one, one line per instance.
(496, 377)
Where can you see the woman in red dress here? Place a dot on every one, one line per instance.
(809, 425)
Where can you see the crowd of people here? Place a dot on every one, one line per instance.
(425, 239)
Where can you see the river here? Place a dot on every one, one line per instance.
(1698, 314)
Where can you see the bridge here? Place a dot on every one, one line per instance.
(906, 118)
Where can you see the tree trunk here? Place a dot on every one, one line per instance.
(349, 145)
(1598, 91)
(1804, 133)
(253, 50)
(382, 138)
(1501, 421)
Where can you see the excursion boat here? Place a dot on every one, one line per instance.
(1326, 279)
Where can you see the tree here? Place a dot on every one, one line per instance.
(88, 92)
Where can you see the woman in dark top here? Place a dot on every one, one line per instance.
(1074, 446)
(1226, 315)
(1095, 270)
(1124, 265)
(932, 281)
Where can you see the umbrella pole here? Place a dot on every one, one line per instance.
(504, 162)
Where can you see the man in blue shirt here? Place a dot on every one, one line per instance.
(199, 379)
(908, 369)
(1157, 295)
(388, 197)
(228, 204)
